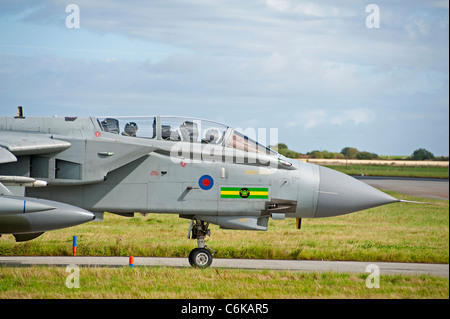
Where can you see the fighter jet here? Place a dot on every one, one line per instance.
(64, 171)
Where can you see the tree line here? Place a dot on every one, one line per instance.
(420, 154)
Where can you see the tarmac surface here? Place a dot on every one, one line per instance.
(423, 187)
(291, 265)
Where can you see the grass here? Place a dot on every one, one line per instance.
(175, 283)
(397, 232)
(394, 171)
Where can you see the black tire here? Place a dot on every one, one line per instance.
(191, 261)
(200, 258)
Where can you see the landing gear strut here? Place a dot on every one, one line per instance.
(202, 256)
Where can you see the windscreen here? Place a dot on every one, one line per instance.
(243, 143)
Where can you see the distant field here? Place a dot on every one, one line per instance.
(424, 169)
(393, 157)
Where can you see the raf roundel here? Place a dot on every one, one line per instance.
(206, 182)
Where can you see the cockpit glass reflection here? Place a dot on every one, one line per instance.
(181, 129)
(192, 130)
(244, 143)
(144, 127)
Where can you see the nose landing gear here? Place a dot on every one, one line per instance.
(202, 256)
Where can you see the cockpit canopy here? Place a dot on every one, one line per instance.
(181, 129)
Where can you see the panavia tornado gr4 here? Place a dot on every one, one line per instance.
(58, 172)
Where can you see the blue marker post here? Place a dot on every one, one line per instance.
(74, 245)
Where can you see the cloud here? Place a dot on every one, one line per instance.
(323, 118)
(311, 65)
(279, 5)
(308, 119)
(441, 4)
(356, 116)
(325, 10)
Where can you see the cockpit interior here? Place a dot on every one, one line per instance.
(171, 128)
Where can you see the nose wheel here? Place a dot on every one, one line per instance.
(202, 256)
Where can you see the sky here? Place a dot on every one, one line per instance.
(325, 74)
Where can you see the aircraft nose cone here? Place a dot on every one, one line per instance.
(342, 194)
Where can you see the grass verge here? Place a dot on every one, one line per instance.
(175, 283)
(399, 232)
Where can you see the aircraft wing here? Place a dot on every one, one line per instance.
(19, 143)
(16, 144)
(12, 144)
(64, 159)
(26, 217)
(6, 156)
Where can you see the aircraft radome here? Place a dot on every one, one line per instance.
(64, 171)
